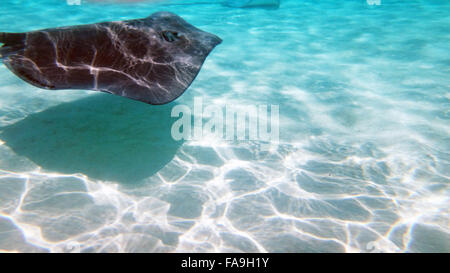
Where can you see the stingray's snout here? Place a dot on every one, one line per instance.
(216, 40)
(210, 40)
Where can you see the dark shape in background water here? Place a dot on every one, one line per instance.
(274, 4)
(252, 3)
(102, 136)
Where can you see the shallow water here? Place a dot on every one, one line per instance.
(362, 163)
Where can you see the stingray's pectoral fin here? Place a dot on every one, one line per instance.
(12, 43)
(12, 55)
(28, 71)
(155, 69)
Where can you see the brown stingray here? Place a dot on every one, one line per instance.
(153, 59)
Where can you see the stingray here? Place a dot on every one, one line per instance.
(153, 60)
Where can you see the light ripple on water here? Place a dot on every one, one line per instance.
(362, 164)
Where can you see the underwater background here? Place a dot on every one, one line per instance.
(362, 163)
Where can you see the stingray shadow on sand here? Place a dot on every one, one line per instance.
(102, 136)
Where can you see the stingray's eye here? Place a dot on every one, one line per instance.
(170, 36)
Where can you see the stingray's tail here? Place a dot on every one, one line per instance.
(12, 42)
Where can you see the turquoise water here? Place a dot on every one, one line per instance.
(362, 163)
